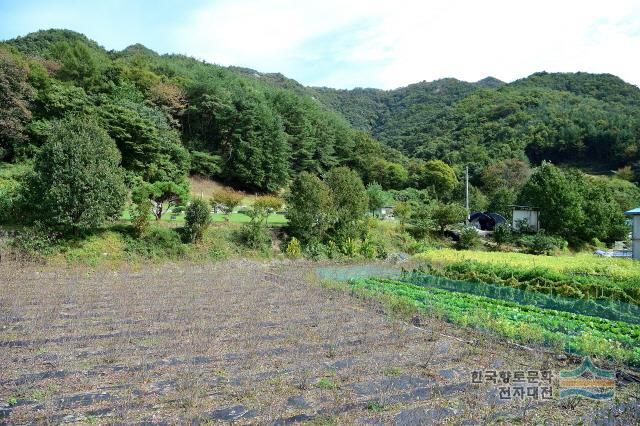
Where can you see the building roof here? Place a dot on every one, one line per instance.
(633, 212)
(516, 207)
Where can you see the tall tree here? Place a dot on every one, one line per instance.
(310, 208)
(558, 199)
(15, 95)
(78, 183)
(349, 199)
(438, 176)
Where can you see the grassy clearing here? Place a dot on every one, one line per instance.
(616, 341)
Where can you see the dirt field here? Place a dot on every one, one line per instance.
(248, 343)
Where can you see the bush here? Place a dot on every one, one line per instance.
(350, 202)
(542, 244)
(368, 249)
(349, 247)
(159, 242)
(12, 178)
(315, 250)
(502, 234)
(197, 220)
(309, 208)
(254, 235)
(293, 248)
(422, 220)
(268, 203)
(445, 215)
(226, 200)
(34, 242)
(140, 219)
(333, 250)
(469, 238)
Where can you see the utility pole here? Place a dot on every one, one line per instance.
(466, 192)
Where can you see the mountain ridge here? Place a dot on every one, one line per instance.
(568, 118)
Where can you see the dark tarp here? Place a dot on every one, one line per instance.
(486, 221)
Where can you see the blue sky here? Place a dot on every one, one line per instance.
(365, 43)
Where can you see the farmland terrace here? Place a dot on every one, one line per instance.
(249, 343)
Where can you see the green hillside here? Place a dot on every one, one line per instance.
(171, 115)
(575, 118)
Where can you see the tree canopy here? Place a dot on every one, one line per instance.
(77, 184)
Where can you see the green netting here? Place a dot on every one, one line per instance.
(574, 333)
(349, 272)
(603, 308)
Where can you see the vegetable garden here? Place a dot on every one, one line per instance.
(578, 334)
(581, 304)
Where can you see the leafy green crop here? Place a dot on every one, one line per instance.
(603, 308)
(574, 333)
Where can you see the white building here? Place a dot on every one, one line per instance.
(635, 233)
(525, 214)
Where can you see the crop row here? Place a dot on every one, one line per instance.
(574, 333)
(542, 280)
(615, 269)
(603, 308)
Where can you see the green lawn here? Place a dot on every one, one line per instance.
(273, 219)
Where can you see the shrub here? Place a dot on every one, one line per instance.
(332, 250)
(447, 214)
(541, 243)
(502, 234)
(469, 238)
(309, 208)
(197, 220)
(268, 203)
(368, 249)
(226, 200)
(350, 202)
(140, 213)
(12, 194)
(293, 248)
(34, 242)
(159, 242)
(254, 235)
(349, 247)
(164, 194)
(423, 220)
(315, 250)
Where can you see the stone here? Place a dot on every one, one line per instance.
(298, 402)
(422, 416)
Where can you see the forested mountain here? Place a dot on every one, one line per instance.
(171, 115)
(577, 118)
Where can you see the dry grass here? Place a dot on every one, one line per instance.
(203, 187)
(245, 341)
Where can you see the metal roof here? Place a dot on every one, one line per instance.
(633, 212)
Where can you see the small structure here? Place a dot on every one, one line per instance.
(486, 221)
(385, 212)
(525, 214)
(635, 232)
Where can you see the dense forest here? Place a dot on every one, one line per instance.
(169, 116)
(576, 118)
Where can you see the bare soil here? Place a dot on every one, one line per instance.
(246, 342)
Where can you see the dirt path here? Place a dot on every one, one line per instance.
(248, 343)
